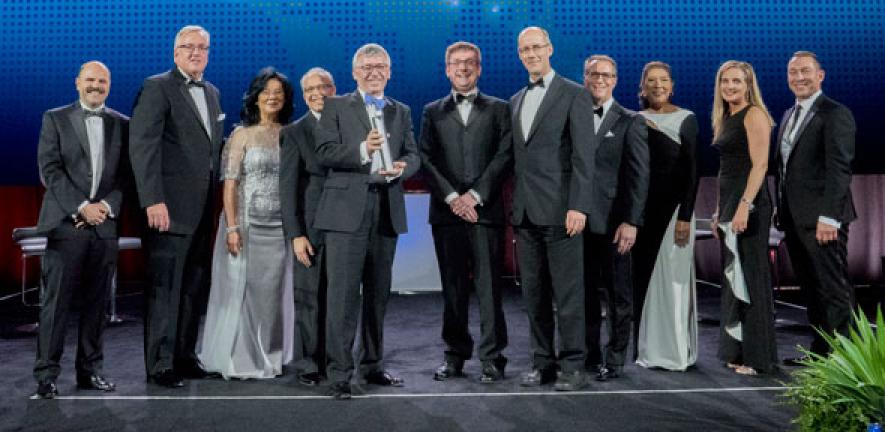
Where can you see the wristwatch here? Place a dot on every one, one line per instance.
(749, 204)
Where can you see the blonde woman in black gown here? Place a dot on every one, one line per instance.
(741, 133)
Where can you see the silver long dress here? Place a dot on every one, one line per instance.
(249, 326)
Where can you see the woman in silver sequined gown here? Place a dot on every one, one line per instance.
(248, 331)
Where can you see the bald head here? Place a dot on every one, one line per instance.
(93, 83)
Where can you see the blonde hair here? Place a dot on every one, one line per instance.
(754, 96)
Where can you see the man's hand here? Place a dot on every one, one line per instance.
(374, 140)
(398, 167)
(464, 208)
(94, 213)
(158, 217)
(303, 250)
(625, 237)
(825, 233)
(574, 222)
(682, 232)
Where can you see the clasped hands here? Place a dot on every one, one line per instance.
(374, 142)
(94, 213)
(464, 207)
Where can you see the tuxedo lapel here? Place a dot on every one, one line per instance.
(549, 100)
(359, 109)
(479, 104)
(78, 121)
(390, 112)
(811, 113)
(186, 95)
(609, 120)
(451, 110)
(515, 123)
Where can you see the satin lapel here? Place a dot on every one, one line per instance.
(811, 113)
(611, 117)
(214, 108)
(479, 104)
(516, 124)
(780, 134)
(186, 95)
(550, 98)
(359, 108)
(78, 121)
(451, 108)
(109, 129)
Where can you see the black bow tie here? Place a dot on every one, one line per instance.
(598, 111)
(96, 112)
(193, 83)
(538, 83)
(461, 98)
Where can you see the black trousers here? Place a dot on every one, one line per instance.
(360, 258)
(179, 269)
(822, 271)
(76, 269)
(470, 256)
(551, 269)
(310, 313)
(608, 273)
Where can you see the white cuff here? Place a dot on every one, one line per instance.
(451, 197)
(829, 221)
(110, 210)
(364, 154)
(476, 196)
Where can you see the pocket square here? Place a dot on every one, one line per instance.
(609, 134)
(221, 117)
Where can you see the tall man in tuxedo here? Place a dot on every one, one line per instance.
(554, 148)
(362, 211)
(301, 184)
(465, 150)
(175, 144)
(619, 191)
(814, 154)
(79, 155)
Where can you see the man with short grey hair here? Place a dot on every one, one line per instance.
(365, 140)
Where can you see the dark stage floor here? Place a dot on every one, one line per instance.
(708, 397)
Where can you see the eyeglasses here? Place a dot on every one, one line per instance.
(467, 62)
(533, 48)
(192, 48)
(318, 87)
(597, 75)
(368, 68)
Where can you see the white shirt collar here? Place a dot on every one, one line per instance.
(86, 107)
(316, 115)
(363, 94)
(187, 77)
(807, 103)
(606, 106)
(473, 91)
(548, 77)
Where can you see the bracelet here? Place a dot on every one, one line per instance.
(232, 229)
(749, 203)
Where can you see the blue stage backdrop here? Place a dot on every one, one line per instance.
(44, 42)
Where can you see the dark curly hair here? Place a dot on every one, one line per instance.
(249, 113)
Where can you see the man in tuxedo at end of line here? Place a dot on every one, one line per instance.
(301, 184)
(814, 205)
(466, 153)
(175, 148)
(619, 192)
(362, 211)
(554, 148)
(80, 163)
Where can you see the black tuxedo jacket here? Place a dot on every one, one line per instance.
(301, 179)
(173, 157)
(553, 168)
(816, 179)
(457, 157)
(620, 183)
(66, 167)
(339, 134)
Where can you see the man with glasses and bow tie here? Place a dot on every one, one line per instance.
(175, 146)
(365, 140)
(80, 164)
(814, 206)
(466, 153)
(554, 147)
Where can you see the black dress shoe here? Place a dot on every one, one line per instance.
(167, 378)
(608, 372)
(310, 379)
(340, 390)
(383, 378)
(95, 382)
(448, 370)
(571, 381)
(538, 377)
(194, 371)
(491, 373)
(797, 361)
(45, 390)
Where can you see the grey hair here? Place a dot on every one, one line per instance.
(190, 29)
(601, 57)
(370, 50)
(541, 29)
(316, 71)
(94, 62)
